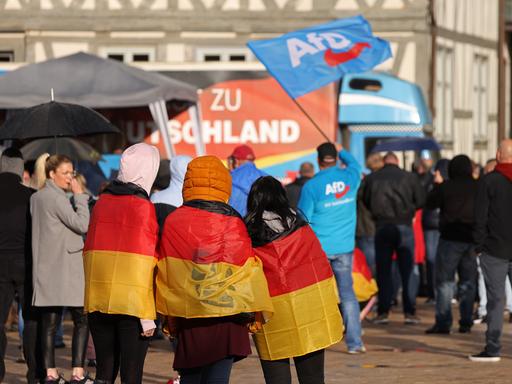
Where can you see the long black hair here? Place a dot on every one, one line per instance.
(267, 194)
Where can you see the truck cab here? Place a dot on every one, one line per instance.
(373, 106)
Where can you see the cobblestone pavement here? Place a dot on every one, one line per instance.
(397, 354)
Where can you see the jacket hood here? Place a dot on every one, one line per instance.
(505, 169)
(460, 167)
(173, 194)
(139, 165)
(245, 175)
(207, 179)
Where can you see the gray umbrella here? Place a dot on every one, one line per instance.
(72, 148)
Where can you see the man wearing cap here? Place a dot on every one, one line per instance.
(243, 174)
(16, 259)
(329, 202)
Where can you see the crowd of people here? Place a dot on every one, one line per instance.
(222, 253)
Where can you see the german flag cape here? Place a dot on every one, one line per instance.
(119, 256)
(364, 285)
(305, 297)
(206, 265)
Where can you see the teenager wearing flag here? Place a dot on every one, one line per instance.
(301, 283)
(208, 281)
(329, 202)
(119, 261)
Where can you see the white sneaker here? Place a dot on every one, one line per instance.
(357, 351)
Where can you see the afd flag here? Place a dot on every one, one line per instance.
(310, 58)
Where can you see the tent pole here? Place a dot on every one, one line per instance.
(195, 117)
(164, 117)
(161, 123)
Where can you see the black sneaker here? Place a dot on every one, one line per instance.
(411, 319)
(465, 329)
(484, 357)
(381, 319)
(435, 329)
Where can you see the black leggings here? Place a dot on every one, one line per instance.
(310, 369)
(118, 344)
(49, 319)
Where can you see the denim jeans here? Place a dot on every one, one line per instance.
(495, 271)
(482, 294)
(452, 257)
(342, 268)
(399, 239)
(414, 281)
(367, 245)
(431, 243)
(215, 373)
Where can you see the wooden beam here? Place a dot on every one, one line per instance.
(502, 130)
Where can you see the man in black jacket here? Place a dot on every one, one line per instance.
(15, 258)
(393, 195)
(493, 221)
(306, 172)
(456, 199)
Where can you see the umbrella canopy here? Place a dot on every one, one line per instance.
(72, 148)
(407, 144)
(54, 119)
(89, 80)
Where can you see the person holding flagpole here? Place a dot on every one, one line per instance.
(329, 203)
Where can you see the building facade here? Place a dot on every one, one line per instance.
(448, 47)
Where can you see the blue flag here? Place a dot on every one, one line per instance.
(310, 58)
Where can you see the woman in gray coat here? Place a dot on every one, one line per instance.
(58, 272)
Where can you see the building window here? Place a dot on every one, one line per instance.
(480, 97)
(142, 57)
(444, 93)
(116, 57)
(212, 58)
(223, 54)
(128, 54)
(6, 56)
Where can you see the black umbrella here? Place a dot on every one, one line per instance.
(52, 120)
(74, 149)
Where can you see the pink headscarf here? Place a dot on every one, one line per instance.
(139, 165)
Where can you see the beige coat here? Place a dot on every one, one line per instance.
(58, 272)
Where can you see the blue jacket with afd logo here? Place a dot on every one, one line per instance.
(329, 202)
